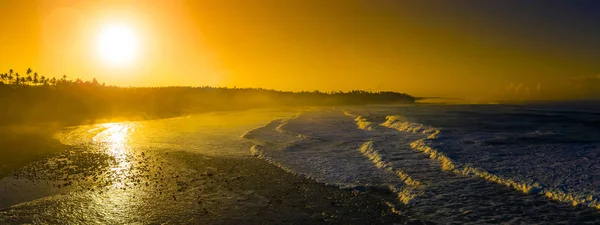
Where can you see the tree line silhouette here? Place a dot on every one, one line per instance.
(34, 99)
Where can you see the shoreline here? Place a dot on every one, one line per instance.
(184, 187)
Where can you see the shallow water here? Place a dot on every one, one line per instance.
(442, 163)
(122, 172)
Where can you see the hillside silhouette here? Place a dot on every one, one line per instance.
(33, 99)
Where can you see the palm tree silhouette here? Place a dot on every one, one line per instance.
(28, 73)
(35, 78)
(17, 80)
(10, 74)
(29, 79)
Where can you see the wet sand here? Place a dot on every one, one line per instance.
(162, 186)
(20, 146)
(275, 196)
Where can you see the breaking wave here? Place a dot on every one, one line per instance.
(406, 194)
(295, 145)
(352, 151)
(431, 134)
(361, 122)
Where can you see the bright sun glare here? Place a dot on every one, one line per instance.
(117, 44)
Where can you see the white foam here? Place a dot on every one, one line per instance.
(431, 133)
(408, 193)
(311, 145)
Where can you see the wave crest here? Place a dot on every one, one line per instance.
(398, 123)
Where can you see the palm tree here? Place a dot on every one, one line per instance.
(28, 73)
(35, 78)
(29, 79)
(43, 80)
(53, 81)
(17, 80)
(10, 74)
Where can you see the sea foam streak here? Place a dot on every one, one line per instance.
(406, 194)
(311, 145)
(347, 150)
(431, 133)
(421, 165)
(279, 140)
(361, 122)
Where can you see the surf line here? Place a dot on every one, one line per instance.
(408, 193)
(265, 150)
(260, 148)
(431, 133)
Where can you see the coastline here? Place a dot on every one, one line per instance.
(210, 190)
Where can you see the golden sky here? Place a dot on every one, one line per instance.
(478, 51)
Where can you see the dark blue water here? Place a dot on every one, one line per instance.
(461, 163)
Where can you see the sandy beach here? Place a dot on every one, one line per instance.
(181, 187)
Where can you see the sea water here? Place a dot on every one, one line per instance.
(463, 162)
(442, 163)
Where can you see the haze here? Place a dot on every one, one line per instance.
(480, 50)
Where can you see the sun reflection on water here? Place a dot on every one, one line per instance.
(115, 139)
(124, 195)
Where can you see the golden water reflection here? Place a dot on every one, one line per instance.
(115, 203)
(115, 138)
(134, 172)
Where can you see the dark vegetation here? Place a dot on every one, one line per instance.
(34, 99)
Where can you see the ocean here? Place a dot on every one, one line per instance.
(518, 164)
(468, 163)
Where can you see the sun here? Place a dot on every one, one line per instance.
(117, 44)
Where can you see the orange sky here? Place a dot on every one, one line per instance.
(425, 50)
